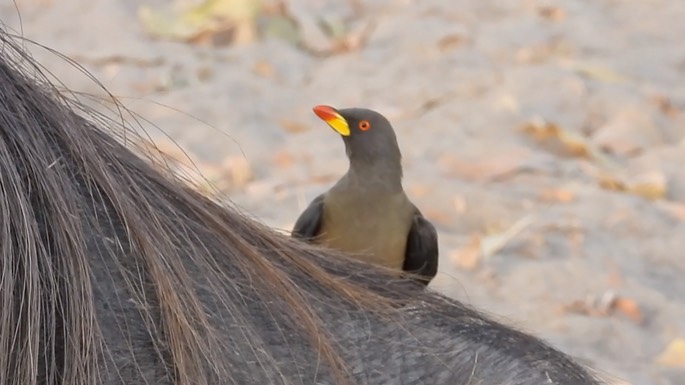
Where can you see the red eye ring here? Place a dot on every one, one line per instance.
(364, 125)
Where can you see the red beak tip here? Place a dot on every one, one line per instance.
(324, 112)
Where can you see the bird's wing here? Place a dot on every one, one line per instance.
(421, 256)
(308, 224)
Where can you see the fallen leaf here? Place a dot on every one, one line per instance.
(649, 185)
(284, 159)
(292, 126)
(673, 355)
(469, 256)
(560, 140)
(605, 305)
(557, 195)
(552, 13)
(264, 69)
(610, 182)
(450, 42)
(665, 105)
(629, 308)
(592, 305)
(205, 74)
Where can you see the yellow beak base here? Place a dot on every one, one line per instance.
(333, 118)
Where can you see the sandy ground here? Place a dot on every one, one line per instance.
(573, 228)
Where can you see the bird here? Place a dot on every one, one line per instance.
(367, 213)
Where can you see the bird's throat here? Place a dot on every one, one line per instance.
(384, 175)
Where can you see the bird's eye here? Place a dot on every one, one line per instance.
(364, 125)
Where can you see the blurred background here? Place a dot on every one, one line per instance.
(545, 139)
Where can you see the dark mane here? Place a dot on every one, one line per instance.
(113, 271)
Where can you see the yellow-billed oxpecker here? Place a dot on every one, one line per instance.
(367, 213)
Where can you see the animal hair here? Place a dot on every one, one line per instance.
(114, 271)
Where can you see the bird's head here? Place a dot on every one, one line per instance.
(368, 135)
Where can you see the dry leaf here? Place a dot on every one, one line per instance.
(284, 159)
(469, 256)
(557, 195)
(611, 182)
(558, 139)
(665, 105)
(673, 355)
(450, 42)
(264, 69)
(629, 308)
(205, 73)
(292, 126)
(606, 305)
(552, 13)
(650, 185)
(592, 306)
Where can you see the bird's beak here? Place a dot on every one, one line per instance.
(333, 118)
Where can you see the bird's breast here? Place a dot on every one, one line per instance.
(372, 228)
